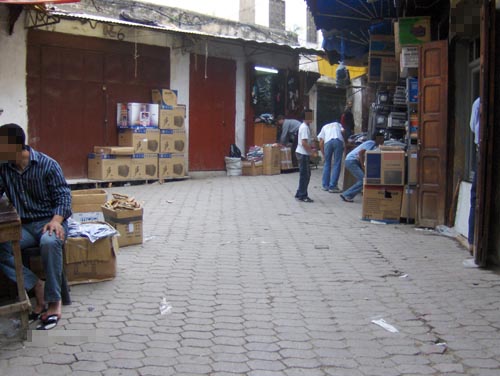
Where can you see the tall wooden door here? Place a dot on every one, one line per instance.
(74, 84)
(212, 103)
(486, 130)
(433, 110)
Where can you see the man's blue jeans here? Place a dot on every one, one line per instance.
(333, 148)
(305, 175)
(355, 168)
(51, 249)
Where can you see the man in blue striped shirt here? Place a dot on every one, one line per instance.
(36, 187)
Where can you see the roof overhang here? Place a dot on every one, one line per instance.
(275, 46)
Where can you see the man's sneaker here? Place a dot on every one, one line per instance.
(324, 188)
(334, 190)
(346, 199)
(305, 199)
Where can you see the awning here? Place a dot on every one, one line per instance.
(347, 24)
(326, 69)
(36, 2)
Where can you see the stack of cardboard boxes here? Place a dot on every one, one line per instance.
(151, 142)
(383, 185)
(173, 140)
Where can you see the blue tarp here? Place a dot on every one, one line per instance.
(347, 24)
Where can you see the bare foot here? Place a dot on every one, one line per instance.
(54, 309)
(38, 290)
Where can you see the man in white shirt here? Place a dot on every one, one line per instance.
(474, 127)
(331, 143)
(303, 152)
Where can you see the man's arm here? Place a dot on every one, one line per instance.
(61, 198)
(361, 158)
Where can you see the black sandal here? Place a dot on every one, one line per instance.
(49, 323)
(35, 316)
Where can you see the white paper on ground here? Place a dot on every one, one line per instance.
(385, 325)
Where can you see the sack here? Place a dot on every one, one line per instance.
(234, 151)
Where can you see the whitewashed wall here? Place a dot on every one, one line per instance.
(13, 72)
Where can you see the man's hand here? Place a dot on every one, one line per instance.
(55, 226)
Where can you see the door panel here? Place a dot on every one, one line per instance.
(212, 92)
(433, 111)
(74, 84)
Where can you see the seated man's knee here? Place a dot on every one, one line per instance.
(48, 241)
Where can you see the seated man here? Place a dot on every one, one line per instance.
(35, 185)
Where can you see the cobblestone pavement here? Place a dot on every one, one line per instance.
(261, 285)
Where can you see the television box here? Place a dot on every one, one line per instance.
(87, 262)
(286, 158)
(386, 167)
(171, 165)
(143, 140)
(137, 115)
(251, 168)
(173, 141)
(412, 89)
(382, 203)
(412, 165)
(127, 222)
(382, 45)
(144, 166)
(173, 118)
(86, 204)
(382, 69)
(114, 150)
(409, 203)
(165, 98)
(109, 167)
(411, 31)
(272, 160)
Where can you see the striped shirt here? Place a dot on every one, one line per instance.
(40, 191)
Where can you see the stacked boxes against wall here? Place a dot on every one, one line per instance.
(136, 156)
(173, 140)
(383, 185)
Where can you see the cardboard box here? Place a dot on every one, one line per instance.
(411, 31)
(382, 203)
(144, 166)
(143, 140)
(272, 160)
(173, 141)
(286, 158)
(409, 202)
(173, 118)
(171, 165)
(165, 98)
(409, 57)
(87, 262)
(86, 204)
(386, 167)
(382, 45)
(114, 150)
(127, 222)
(412, 165)
(137, 115)
(382, 69)
(251, 168)
(109, 167)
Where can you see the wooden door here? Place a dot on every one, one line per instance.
(212, 103)
(433, 111)
(74, 84)
(486, 129)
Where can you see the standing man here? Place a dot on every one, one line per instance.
(331, 143)
(289, 130)
(35, 185)
(474, 127)
(304, 151)
(347, 120)
(355, 163)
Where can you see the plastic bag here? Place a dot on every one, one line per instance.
(234, 151)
